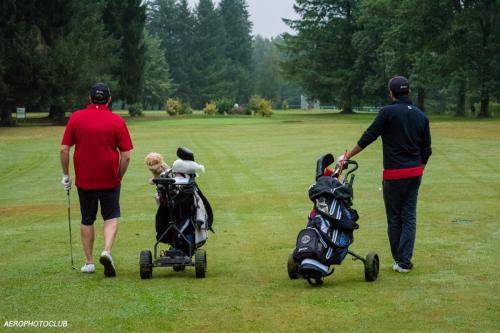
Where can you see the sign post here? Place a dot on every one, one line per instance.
(21, 113)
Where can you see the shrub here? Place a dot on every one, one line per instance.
(135, 110)
(210, 109)
(225, 105)
(259, 105)
(494, 109)
(186, 109)
(173, 106)
(253, 104)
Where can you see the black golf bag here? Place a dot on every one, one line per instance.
(329, 232)
(180, 203)
(183, 219)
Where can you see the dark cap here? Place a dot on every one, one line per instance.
(99, 93)
(399, 84)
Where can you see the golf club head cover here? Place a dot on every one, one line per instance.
(187, 167)
(323, 162)
(185, 154)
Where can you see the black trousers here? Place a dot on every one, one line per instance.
(400, 198)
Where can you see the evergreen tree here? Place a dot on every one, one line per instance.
(268, 79)
(157, 81)
(79, 56)
(173, 23)
(321, 55)
(125, 19)
(51, 60)
(209, 64)
(21, 57)
(237, 47)
(481, 45)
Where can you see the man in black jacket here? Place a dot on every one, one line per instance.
(406, 143)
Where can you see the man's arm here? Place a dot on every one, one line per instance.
(374, 130)
(426, 150)
(354, 151)
(370, 135)
(64, 151)
(124, 162)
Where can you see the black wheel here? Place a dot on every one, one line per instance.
(179, 268)
(293, 268)
(372, 264)
(200, 263)
(315, 282)
(146, 264)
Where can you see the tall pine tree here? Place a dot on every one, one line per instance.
(321, 55)
(238, 47)
(126, 19)
(157, 82)
(51, 60)
(267, 75)
(173, 23)
(209, 63)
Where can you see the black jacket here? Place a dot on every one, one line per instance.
(406, 137)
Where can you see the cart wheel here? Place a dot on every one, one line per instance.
(200, 263)
(293, 268)
(179, 268)
(371, 266)
(146, 264)
(315, 282)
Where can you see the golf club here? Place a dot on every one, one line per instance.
(69, 224)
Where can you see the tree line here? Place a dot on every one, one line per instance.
(51, 52)
(342, 52)
(345, 51)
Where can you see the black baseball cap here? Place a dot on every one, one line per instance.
(399, 84)
(99, 93)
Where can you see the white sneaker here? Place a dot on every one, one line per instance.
(107, 261)
(399, 269)
(88, 268)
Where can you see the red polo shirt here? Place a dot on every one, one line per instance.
(98, 136)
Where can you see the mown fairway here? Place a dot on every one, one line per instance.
(258, 173)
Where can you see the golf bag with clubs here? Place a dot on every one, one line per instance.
(183, 219)
(329, 232)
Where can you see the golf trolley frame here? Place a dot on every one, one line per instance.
(371, 261)
(172, 258)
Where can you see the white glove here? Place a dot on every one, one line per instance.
(341, 158)
(66, 182)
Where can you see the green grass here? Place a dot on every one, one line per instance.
(258, 173)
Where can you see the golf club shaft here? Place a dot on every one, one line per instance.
(69, 224)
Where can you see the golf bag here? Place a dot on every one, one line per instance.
(329, 231)
(183, 204)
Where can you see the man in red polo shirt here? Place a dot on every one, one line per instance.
(101, 158)
(406, 143)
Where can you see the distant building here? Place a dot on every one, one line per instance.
(306, 103)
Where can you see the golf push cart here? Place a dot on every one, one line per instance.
(183, 218)
(329, 232)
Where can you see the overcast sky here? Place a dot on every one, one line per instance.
(266, 15)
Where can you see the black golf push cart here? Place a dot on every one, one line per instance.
(183, 218)
(329, 232)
